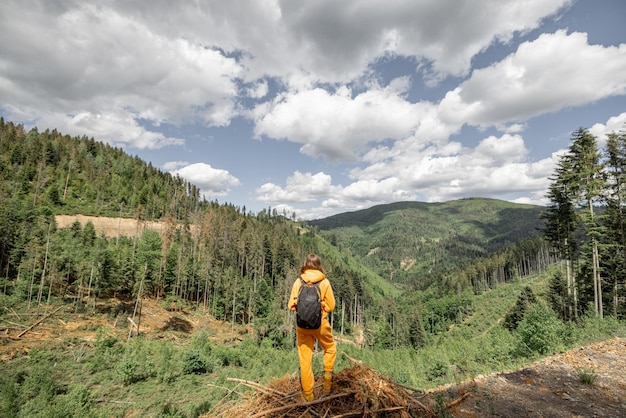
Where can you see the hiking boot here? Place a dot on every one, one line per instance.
(328, 382)
(308, 397)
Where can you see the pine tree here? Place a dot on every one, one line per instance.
(614, 198)
(560, 226)
(587, 185)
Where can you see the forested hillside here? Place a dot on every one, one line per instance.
(238, 265)
(408, 242)
(426, 293)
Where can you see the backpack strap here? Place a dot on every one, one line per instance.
(317, 287)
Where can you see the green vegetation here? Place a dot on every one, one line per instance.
(186, 378)
(427, 293)
(407, 241)
(586, 376)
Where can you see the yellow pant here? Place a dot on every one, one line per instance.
(306, 345)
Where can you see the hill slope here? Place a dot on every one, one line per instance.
(410, 239)
(550, 387)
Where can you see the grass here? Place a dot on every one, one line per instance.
(586, 375)
(112, 377)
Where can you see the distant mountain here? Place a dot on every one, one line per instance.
(407, 240)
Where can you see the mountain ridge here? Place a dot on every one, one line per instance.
(424, 236)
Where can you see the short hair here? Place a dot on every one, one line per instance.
(312, 262)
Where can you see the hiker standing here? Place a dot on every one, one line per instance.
(312, 276)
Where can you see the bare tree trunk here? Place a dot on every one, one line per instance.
(570, 298)
(32, 281)
(137, 304)
(89, 285)
(232, 326)
(43, 273)
(343, 311)
(67, 180)
(615, 298)
(49, 288)
(597, 280)
(574, 292)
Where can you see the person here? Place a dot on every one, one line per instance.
(311, 271)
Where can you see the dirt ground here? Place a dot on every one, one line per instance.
(114, 316)
(111, 227)
(552, 387)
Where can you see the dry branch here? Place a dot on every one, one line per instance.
(13, 312)
(38, 322)
(257, 386)
(297, 404)
(457, 401)
(365, 413)
(357, 391)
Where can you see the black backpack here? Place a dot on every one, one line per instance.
(309, 307)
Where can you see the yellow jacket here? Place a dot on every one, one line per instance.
(314, 276)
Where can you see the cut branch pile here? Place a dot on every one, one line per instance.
(357, 392)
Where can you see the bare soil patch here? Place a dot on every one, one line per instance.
(551, 387)
(155, 320)
(111, 227)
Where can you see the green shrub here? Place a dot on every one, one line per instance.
(36, 388)
(166, 362)
(76, 403)
(599, 328)
(170, 411)
(228, 356)
(200, 341)
(516, 313)
(193, 363)
(9, 405)
(540, 331)
(129, 370)
(437, 369)
(195, 410)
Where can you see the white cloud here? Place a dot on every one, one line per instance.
(339, 126)
(337, 40)
(175, 165)
(300, 187)
(615, 124)
(118, 129)
(496, 167)
(211, 181)
(126, 72)
(545, 75)
(83, 59)
(258, 90)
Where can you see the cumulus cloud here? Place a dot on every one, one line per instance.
(339, 125)
(544, 75)
(181, 65)
(118, 129)
(616, 124)
(211, 181)
(337, 40)
(79, 61)
(309, 73)
(300, 187)
(258, 90)
(497, 167)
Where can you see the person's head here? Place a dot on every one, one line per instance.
(312, 262)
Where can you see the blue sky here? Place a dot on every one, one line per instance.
(322, 107)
